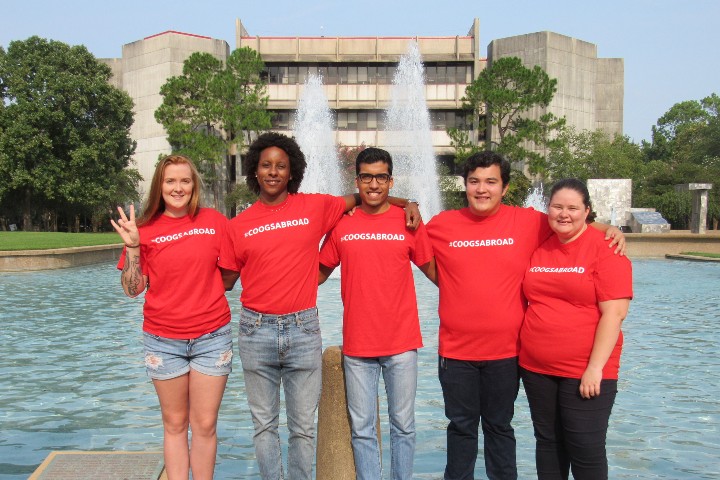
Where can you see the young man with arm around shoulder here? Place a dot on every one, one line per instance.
(482, 252)
(381, 329)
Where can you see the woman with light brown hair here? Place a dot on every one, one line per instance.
(172, 252)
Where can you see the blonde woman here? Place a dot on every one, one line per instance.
(171, 253)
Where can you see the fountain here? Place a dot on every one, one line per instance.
(536, 199)
(314, 132)
(407, 135)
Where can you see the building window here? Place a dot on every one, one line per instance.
(444, 119)
(281, 119)
(362, 74)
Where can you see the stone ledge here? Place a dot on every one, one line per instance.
(638, 245)
(692, 258)
(672, 243)
(34, 260)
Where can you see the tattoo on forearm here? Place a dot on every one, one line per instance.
(132, 275)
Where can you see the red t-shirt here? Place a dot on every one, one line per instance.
(275, 249)
(378, 290)
(481, 262)
(185, 297)
(563, 285)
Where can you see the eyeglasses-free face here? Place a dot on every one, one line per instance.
(382, 178)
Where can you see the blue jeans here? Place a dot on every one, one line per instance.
(285, 349)
(475, 391)
(570, 431)
(361, 381)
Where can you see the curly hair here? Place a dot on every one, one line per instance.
(284, 143)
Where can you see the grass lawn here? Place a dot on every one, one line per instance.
(697, 254)
(45, 240)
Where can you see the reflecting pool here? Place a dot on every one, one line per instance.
(72, 376)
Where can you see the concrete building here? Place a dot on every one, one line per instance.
(144, 67)
(358, 73)
(589, 89)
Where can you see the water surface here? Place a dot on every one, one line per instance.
(72, 377)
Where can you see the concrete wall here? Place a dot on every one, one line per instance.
(673, 243)
(145, 66)
(589, 89)
(611, 198)
(370, 96)
(32, 260)
(610, 95)
(115, 65)
(638, 245)
(358, 49)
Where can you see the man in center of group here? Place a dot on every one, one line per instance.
(381, 329)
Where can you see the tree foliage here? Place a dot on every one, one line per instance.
(593, 154)
(685, 148)
(64, 135)
(518, 190)
(506, 92)
(211, 110)
(463, 145)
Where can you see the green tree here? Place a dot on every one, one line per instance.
(685, 148)
(210, 111)
(594, 154)
(533, 140)
(518, 189)
(240, 198)
(680, 116)
(463, 145)
(64, 133)
(506, 91)
(451, 196)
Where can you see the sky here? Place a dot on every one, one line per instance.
(669, 47)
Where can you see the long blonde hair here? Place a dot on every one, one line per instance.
(155, 204)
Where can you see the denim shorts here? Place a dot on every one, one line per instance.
(210, 354)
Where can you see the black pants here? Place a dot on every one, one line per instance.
(570, 431)
(473, 391)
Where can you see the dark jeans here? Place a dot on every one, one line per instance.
(475, 391)
(570, 431)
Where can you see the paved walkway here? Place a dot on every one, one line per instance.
(72, 465)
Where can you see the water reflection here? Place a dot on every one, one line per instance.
(71, 376)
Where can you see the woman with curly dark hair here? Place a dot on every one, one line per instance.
(272, 246)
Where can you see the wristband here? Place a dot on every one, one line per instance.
(132, 246)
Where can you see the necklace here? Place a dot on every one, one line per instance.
(276, 208)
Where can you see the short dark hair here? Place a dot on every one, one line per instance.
(578, 186)
(284, 143)
(486, 159)
(373, 155)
